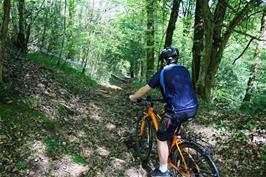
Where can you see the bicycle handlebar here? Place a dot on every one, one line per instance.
(151, 100)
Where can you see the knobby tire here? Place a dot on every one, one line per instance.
(144, 142)
(198, 160)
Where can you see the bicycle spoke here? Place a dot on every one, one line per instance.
(144, 138)
(198, 164)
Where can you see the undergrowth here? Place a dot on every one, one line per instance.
(21, 125)
(65, 67)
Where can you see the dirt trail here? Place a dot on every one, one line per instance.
(95, 122)
(93, 125)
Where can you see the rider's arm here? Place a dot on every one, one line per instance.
(141, 92)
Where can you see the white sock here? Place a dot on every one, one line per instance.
(163, 168)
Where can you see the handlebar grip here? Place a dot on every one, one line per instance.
(139, 100)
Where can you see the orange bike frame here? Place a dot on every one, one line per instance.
(150, 114)
(176, 142)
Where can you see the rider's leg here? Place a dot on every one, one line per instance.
(163, 152)
(165, 133)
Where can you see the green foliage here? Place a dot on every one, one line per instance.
(21, 165)
(113, 40)
(6, 89)
(238, 150)
(128, 45)
(66, 68)
(33, 102)
(263, 154)
(222, 125)
(229, 85)
(24, 125)
(242, 162)
(138, 84)
(231, 80)
(57, 146)
(235, 123)
(251, 124)
(20, 117)
(49, 124)
(79, 159)
(53, 146)
(256, 106)
(63, 111)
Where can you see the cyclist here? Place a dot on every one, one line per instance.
(181, 102)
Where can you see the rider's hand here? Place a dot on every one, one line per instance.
(132, 98)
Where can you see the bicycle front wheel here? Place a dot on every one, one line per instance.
(192, 160)
(144, 138)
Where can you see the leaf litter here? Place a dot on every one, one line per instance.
(86, 131)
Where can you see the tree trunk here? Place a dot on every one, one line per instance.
(31, 23)
(150, 7)
(28, 33)
(163, 32)
(53, 37)
(3, 36)
(257, 55)
(171, 24)
(221, 41)
(132, 68)
(85, 59)
(187, 23)
(45, 26)
(71, 11)
(21, 39)
(201, 86)
(214, 43)
(197, 42)
(13, 25)
(2, 58)
(64, 35)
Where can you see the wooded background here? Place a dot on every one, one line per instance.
(220, 41)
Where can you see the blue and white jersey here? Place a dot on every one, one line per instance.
(176, 87)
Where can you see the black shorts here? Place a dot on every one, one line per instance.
(170, 122)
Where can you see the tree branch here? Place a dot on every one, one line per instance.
(260, 11)
(5, 22)
(237, 19)
(39, 10)
(249, 35)
(230, 7)
(242, 53)
(243, 33)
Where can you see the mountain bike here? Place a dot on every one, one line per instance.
(187, 158)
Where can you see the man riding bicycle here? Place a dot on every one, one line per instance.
(181, 102)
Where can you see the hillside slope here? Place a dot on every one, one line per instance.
(55, 124)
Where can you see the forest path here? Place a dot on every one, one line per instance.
(85, 130)
(93, 126)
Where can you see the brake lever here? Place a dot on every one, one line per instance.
(141, 102)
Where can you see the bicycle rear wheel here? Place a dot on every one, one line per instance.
(196, 161)
(144, 138)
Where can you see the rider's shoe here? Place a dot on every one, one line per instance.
(158, 173)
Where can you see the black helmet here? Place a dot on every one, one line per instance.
(169, 53)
